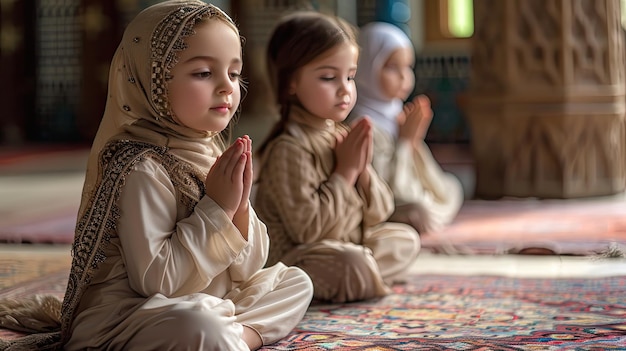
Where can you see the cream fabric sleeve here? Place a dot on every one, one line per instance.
(254, 256)
(418, 162)
(311, 207)
(416, 178)
(177, 256)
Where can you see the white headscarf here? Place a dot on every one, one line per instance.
(378, 40)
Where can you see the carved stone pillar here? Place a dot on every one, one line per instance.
(546, 104)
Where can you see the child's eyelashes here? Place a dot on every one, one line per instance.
(330, 79)
(208, 74)
(202, 75)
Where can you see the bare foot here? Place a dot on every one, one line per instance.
(252, 338)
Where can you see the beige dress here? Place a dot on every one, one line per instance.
(156, 264)
(188, 275)
(419, 184)
(336, 232)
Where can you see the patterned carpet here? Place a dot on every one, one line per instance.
(445, 312)
(565, 227)
(473, 313)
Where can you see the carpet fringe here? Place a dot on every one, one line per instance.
(39, 342)
(33, 314)
(613, 250)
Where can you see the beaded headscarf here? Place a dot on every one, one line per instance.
(137, 112)
(137, 107)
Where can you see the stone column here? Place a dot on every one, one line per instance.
(546, 103)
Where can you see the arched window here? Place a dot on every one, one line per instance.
(460, 18)
(448, 20)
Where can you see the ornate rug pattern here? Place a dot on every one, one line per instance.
(436, 312)
(445, 312)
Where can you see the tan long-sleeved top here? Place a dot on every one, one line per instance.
(300, 199)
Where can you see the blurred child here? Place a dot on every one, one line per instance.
(323, 203)
(168, 254)
(426, 197)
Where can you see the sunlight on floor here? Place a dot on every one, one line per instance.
(530, 266)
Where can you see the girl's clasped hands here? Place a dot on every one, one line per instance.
(229, 181)
(354, 151)
(415, 119)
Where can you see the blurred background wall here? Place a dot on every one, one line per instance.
(55, 55)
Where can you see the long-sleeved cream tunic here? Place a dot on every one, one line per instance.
(179, 280)
(336, 232)
(421, 187)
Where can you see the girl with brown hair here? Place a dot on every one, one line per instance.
(323, 203)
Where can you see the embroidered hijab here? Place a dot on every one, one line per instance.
(378, 40)
(137, 112)
(137, 105)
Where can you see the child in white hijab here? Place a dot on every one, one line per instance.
(426, 197)
(168, 254)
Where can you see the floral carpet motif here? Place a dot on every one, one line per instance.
(473, 313)
(447, 312)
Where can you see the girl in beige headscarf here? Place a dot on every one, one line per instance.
(168, 254)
